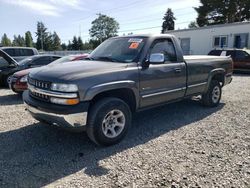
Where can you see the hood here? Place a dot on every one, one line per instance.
(74, 70)
(23, 72)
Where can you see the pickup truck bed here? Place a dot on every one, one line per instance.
(200, 69)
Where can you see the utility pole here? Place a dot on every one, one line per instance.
(42, 41)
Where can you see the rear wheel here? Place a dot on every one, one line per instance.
(108, 121)
(213, 95)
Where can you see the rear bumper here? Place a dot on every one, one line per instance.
(73, 118)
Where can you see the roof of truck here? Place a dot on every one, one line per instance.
(145, 35)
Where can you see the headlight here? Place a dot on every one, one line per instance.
(24, 79)
(64, 87)
(64, 101)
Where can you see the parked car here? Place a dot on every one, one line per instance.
(20, 53)
(9, 66)
(241, 57)
(123, 75)
(18, 81)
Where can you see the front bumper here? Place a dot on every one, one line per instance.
(73, 118)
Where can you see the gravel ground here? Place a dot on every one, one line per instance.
(179, 145)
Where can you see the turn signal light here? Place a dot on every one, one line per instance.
(72, 101)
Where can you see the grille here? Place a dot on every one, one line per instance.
(40, 96)
(39, 84)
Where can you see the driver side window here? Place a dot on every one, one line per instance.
(166, 47)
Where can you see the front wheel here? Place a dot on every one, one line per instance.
(213, 95)
(7, 80)
(108, 121)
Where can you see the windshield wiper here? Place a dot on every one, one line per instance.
(107, 58)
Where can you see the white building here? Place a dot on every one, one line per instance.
(200, 41)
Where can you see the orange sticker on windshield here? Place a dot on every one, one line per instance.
(134, 45)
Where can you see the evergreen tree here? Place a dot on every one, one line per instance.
(28, 39)
(69, 47)
(168, 21)
(56, 42)
(18, 41)
(75, 43)
(220, 12)
(87, 46)
(64, 46)
(5, 40)
(48, 42)
(42, 36)
(80, 43)
(14, 42)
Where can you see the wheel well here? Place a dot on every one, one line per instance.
(127, 95)
(219, 77)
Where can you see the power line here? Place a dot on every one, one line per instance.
(124, 7)
(140, 29)
(113, 9)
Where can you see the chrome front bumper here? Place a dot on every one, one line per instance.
(74, 122)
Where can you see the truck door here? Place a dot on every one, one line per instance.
(163, 82)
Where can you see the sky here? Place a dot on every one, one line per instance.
(74, 17)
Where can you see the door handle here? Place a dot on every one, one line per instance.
(177, 70)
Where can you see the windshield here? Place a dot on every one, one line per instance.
(125, 49)
(24, 61)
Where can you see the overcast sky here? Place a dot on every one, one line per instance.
(73, 17)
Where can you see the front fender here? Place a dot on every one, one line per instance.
(124, 84)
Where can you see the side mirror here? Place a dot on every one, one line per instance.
(156, 58)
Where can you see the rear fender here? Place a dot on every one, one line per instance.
(213, 73)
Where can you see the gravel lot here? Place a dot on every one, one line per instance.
(179, 145)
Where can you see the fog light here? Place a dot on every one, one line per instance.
(64, 101)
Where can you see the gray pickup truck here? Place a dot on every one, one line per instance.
(122, 76)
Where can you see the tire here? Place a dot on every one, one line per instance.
(6, 83)
(108, 121)
(213, 95)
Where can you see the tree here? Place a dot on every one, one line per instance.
(192, 24)
(221, 12)
(56, 42)
(75, 43)
(42, 37)
(64, 46)
(168, 21)
(18, 41)
(88, 46)
(103, 28)
(48, 42)
(28, 39)
(5, 40)
(69, 47)
(80, 43)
